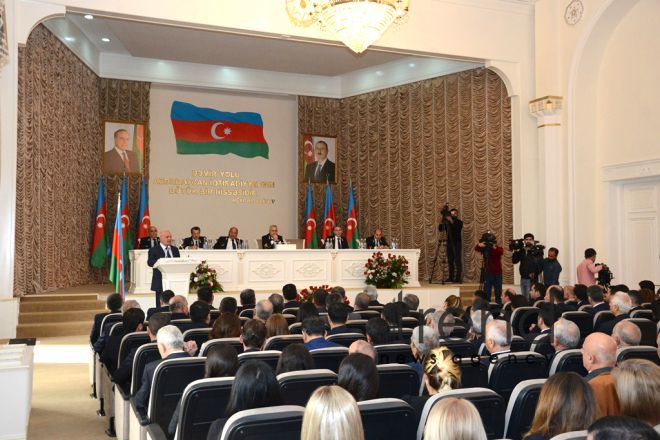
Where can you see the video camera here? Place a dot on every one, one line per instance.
(605, 276)
(537, 248)
(489, 240)
(446, 211)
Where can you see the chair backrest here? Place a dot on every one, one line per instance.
(368, 314)
(568, 360)
(183, 324)
(490, 405)
(109, 318)
(583, 320)
(290, 319)
(458, 332)
(243, 319)
(640, 352)
(234, 342)
(116, 329)
(647, 328)
(647, 305)
(295, 328)
(257, 245)
(199, 335)
(541, 345)
(642, 313)
(290, 311)
(408, 322)
(281, 342)
(270, 357)
(247, 313)
(522, 318)
(536, 303)
(329, 358)
(346, 339)
(276, 422)
(401, 335)
(143, 355)
(394, 353)
(397, 380)
(512, 368)
(575, 435)
(171, 377)
(518, 344)
(522, 407)
(298, 386)
(387, 418)
(602, 317)
(377, 308)
(474, 373)
(459, 347)
(203, 402)
(215, 314)
(359, 325)
(571, 302)
(131, 341)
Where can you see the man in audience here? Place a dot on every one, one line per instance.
(479, 317)
(619, 306)
(290, 295)
(263, 310)
(200, 314)
(363, 347)
(248, 300)
(378, 331)
(621, 428)
(337, 317)
(647, 284)
(99, 346)
(253, 336)
(362, 301)
(165, 298)
(420, 347)
(626, 334)
(613, 290)
(507, 296)
(412, 301)
(581, 296)
(277, 301)
(341, 291)
(228, 304)
(556, 296)
(179, 308)
(113, 303)
(391, 314)
(598, 358)
(441, 318)
(373, 295)
(566, 336)
(336, 298)
(548, 314)
(587, 269)
(635, 300)
(206, 294)
(319, 300)
(170, 346)
(132, 320)
(595, 294)
(478, 294)
(569, 293)
(537, 292)
(313, 331)
(497, 338)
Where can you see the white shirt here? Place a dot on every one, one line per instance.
(165, 248)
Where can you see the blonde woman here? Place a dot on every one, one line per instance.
(332, 414)
(454, 419)
(452, 302)
(637, 383)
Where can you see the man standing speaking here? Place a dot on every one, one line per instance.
(322, 169)
(163, 250)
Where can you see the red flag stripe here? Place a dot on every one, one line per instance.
(204, 131)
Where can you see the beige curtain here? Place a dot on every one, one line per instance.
(408, 150)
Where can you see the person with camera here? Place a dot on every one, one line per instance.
(492, 265)
(587, 270)
(454, 228)
(528, 269)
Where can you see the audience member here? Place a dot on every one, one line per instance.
(362, 301)
(206, 294)
(569, 294)
(307, 310)
(113, 304)
(337, 318)
(200, 314)
(637, 383)
(276, 325)
(479, 318)
(636, 300)
(619, 306)
(341, 291)
(621, 428)
(165, 298)
(263, 310)
(227, 325)
(598, 358)
(391, 314)
(359, 376)
(363, 347)
(248, 300)
(253, 336)
(613, 290)
(412, 301)
(454, 419)
(477, 295)
(255, 386)
(626, 334)
(556, 296)
(566, 404)
(179, 308)
(228, 304)
(498, 338)
(655, 309)
(595, 294)
(99, 345)
(373, 295)
(420, 346)
(581, 296)
(378, 332)
(453, 302)
(313, 331)
(537, 292)
(294, 357)
(548, 315)
(647, 284)
(566, 336)
(336, 298)
(647, 295)
(133, 321)
(290, 294)
(277, 301)
(507, 296)
(319, 297)
(517, 302)
(332, 414)
(441, 315)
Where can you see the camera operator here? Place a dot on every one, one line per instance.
(551, 268)
(492, 265)
(587, 269)
(525, 257)
(454, 243)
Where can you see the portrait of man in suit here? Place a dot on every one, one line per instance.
(323, 169)
(124, 147)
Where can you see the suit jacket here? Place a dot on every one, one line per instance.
(142, 397)
(327, 171)
(156, 254)
(340, 330)
(596, 373)
(371, 242)
(188, 241)
(96, 327)
(222, 243)
(124, 372)
(375, 303)
(152, 311)
(608, 327)
(115, 164)
(567, 307)
(110, 354)
(476, 342)
(178, 315)
(239, 309)
(333, 238)
(145, 242)
(606, 396)
(266, 244)
(320, 343)
(291, 304)
(598, 308)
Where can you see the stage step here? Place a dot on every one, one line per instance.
(41, 330)
(43, 298)
(48, 317)
(60, 306)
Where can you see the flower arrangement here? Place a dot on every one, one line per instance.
(390, 273)
(307, 295)
(205, 277)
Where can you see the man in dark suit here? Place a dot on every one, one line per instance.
(619, 306)
(322, 169)
(179, 308)
(200, 314)
(595, 294)
(228, 242)
(152, 240)
(268, 241)
(373, 294)
(165, 250)
(557, 297)
(636, 300)
(420, 349)
(290, 293)
(248, 301)
(377, 241)
(253, 335)
(320, 296)
(165, 298)
(170, 346)
(195, 241)
(113, 303)
(566, 336)
(337, 317)
(120, 159)
(338, 242)
(132, 321)
(99, 345)
(580, 291)
(206, 294)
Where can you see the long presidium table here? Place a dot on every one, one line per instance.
(271, 269)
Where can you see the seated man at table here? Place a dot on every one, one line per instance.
(268, 241)
(338, 242)
(228, 242)
(152, 240)
(377, 241)
(195, 241)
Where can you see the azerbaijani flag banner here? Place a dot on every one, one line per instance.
(117, 260)
(311, 239)
(145, 220)
(352, 232)
(328, 215)
(127, 241)
(138, 143)
(100, 246)
(208, 131)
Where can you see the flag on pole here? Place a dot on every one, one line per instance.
(138, 143)
(308, 149)
(117, 260)
(144, 219)
(328, 215)
(311, 239)
(127, 241)
(100, 245)
(352, 233)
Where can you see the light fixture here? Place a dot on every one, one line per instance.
(89, 16)
(357, 23)
(69, 38)
(105, 39)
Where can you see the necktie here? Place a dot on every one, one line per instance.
(233, 244)
(153, 242)
(167, 252)
(126, 161)
(196, 243)
(377, 243)
(318, 172)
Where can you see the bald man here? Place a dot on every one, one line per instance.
(599, 357)
(626, 334)
(363, 347)
(163, 250)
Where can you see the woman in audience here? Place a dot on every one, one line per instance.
(452, 302)
(276, 325)
(221, 361)
(454, 419)
(647, 295)
(359, 376)
(637, 383)
(294, 357)
(228, 325)
(306, 310)
(567, 403)
(332, 414)
(255, 386)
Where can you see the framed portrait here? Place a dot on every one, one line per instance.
(319, 158)
(123, 147)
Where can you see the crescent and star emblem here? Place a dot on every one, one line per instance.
(349, 221)
(312, 221)
(215, 136)
(101, 221)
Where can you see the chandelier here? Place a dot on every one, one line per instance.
(356, 23)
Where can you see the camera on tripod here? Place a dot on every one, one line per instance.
(445, 211)
(489, 240)
(605, 276)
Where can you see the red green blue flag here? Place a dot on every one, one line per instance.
(100, 244)
(352, 233)
(117, 259)
(201, 130)
(311, 239)
(329, 215)
(138, 143)
(143, 216)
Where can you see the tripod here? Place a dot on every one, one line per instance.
(438, 261)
